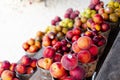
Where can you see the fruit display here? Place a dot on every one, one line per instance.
(71, 46)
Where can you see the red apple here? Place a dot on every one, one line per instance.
(93, 50)
(75, 38)
(5, 64)
(76, 31)
(48, 52)
(84, 56)
(69, 34)
(105, 27)
(57, 70)
(33, 62)
(57, 57)
(69, 78)
(77, 73)
(29, 70)
(20, 68)
(25, 60)
(69, 61)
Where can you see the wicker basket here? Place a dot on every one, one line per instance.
(90, 68)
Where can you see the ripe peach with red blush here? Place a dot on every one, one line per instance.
(7, 75)
(69, 61)
(77, 73)
(84, 56)
(57, 70)
(84, 42)
(75, 47)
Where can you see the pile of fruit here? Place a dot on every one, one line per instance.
(71, 46)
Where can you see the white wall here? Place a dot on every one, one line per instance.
(19, 21)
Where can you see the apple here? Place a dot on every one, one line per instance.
(20, 69)
(57, 57)
(76, 31)
(33, 62)
(25, 60)
(48, 52)
(93, 50)
(105, 27)
(5, 64)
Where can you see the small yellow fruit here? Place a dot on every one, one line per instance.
(116, 4)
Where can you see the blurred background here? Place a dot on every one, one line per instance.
(21, 19)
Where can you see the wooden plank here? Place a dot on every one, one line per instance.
(111, 66)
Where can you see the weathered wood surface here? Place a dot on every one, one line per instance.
(111, 66)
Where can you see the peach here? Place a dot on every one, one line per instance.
(25, 60)
(33, 63)
(69, 61)
(54, 41)
(77, 73)
(38, 44)
(5, 64)
(7, 75)
(46, 41)
(48, 52)
(12, 66)
(31, 41)
(84, 42)
(97, 18)
(93, 50)
(75, 47)
(29, 70)
(64, 76)
(57, 70)
(25, 46)
(1, 70)
(20, 68)
(44, 63)
(33, 49)
(84, 56)
(89, 22)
